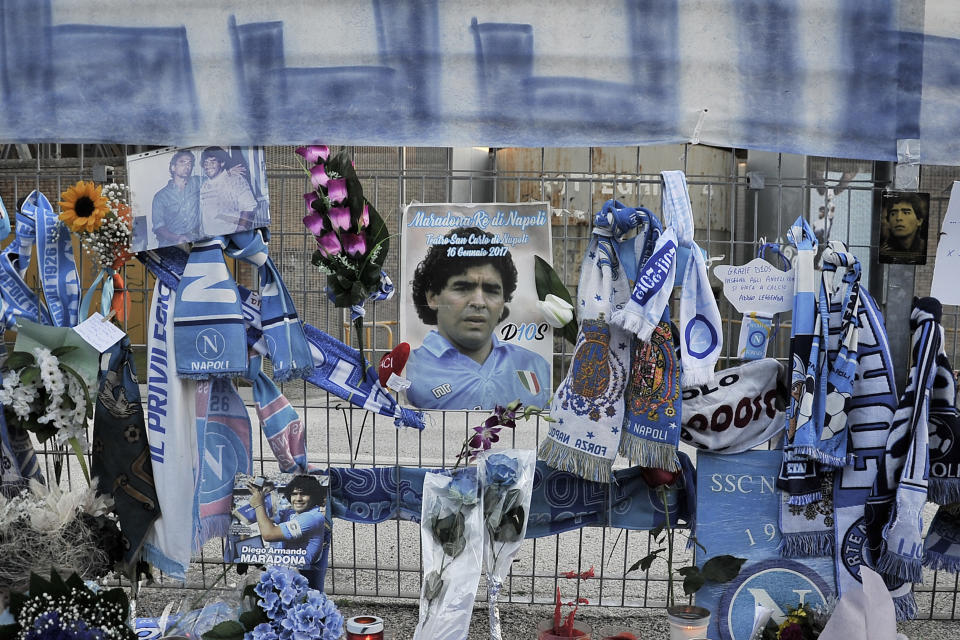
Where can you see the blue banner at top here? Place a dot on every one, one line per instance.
(839, 78)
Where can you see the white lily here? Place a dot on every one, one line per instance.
(555, 310)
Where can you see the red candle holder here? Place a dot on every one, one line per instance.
(365, 628)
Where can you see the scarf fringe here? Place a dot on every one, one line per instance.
(905, 607)
(216, 526)
(803, 499)
(646, 453)
(941, 561)
(814, 453)
(564, 458)
(943, 490)
(409, 418)
(171, 568)
(802, 545)
(892, 564)
(293, 374)
(634, 323)
(696, 376)
(210, 375)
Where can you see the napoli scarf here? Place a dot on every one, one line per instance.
(18, 460)
(208, 325)
(941, 548)
(121, 454)
(741, 411)
(798, 474)
(944, 436)
(280, 422)
(589, 405)
(821, 437)
(900, 489)
(281, 327)
(336, 365)
(223, 440)
(643, 312)
(19, 298)
(171, 432)
(871, 411)
(57, 268)
(701, 329)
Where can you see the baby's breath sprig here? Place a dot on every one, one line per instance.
(109, 244)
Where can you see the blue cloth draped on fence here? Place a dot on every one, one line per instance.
(336, 367)
(561, 501)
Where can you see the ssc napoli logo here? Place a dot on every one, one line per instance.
(700, 336)
(224, 455)
(776, 584)
(210, 344)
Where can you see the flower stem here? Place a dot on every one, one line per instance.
(666, 512)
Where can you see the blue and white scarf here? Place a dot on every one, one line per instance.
(643, 312)
(18, 460)
(172, 434)
(335, 363)
(280, 422)
(280, 324)
(896, 504)
(589, 404)
(941, 547)
(944, 437)
(55, 262)
(225, 449)
(798, 474)
(208, 325)
(38, 224)
(701, 328)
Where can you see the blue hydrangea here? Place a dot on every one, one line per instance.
(263, 631)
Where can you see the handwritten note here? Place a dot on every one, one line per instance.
(944, 287)
(757, 286)
(98, 333)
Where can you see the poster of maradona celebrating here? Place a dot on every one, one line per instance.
(279, 519)
(468, 305)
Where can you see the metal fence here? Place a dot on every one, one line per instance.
(739, 198)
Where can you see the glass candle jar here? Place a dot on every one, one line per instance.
(365, 628)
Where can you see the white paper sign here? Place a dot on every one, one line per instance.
(944, 287)
(757, 286)
(99, 334)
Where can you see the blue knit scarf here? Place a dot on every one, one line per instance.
(280, 422)
(282, 330)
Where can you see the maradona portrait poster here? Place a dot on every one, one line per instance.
(183, 195)
(279, 519)
(468, 304)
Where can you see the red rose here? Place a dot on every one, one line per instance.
(658, 477)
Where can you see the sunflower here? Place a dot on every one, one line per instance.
(83, 207)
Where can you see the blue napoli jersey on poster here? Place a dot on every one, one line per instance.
(738, 507)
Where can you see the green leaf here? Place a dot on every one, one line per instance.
(693, 582)
(722, 568)
(656, 531)
(645, 563)
(432, 585)
(20, 359)
(690, 570)
(9, 631)
(38, 584)
(29, 375)
(64, 350)
(227, 630)
(250, 619)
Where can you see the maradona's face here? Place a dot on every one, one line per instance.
(299, 500)
(469, 307)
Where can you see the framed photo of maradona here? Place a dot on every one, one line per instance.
(182, 195)
(904, 218)
(468, 303)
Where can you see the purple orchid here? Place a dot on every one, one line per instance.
(329, 244)
(355, 244)
(314, 153)
(318, 176)
(316, 223)
(337, 189)
(339, 218)
(486, 435)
